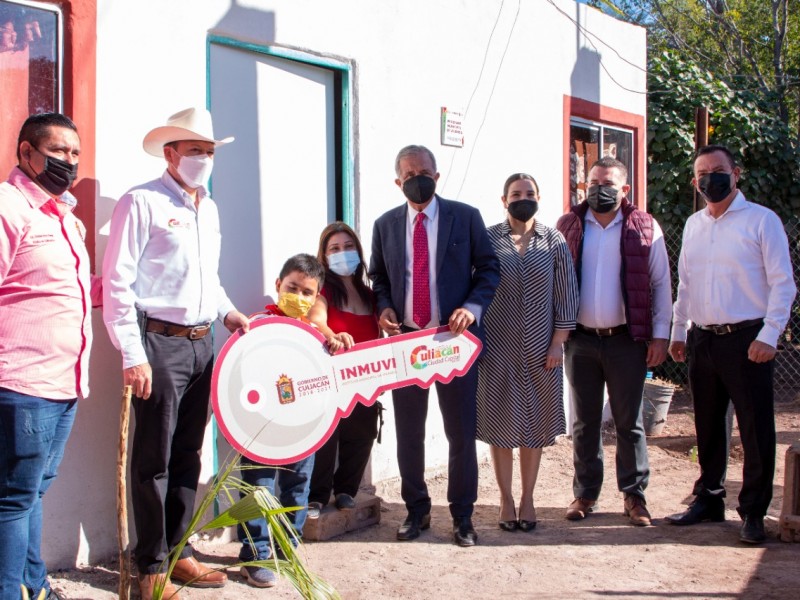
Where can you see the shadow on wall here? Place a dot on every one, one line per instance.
(79, 510)
(246, 24)
(585, 78)
(79, 524)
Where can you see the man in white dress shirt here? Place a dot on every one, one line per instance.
(161, 295)
(735, 293)
(623, 327)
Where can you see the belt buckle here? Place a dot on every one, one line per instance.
(722, 329)
(604, 332)
(195, 333)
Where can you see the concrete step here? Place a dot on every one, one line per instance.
(333, 522)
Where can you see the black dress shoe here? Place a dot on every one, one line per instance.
(507, 525)
(752, 530)
(527, 525)
(412, 526)
(464, 534)
(699, 511)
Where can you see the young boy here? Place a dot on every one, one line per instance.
(298, 286)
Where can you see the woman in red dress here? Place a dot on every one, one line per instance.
(345, 314)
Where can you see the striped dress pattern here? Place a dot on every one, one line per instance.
(520, 404)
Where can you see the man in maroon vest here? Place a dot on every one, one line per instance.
(623, 328)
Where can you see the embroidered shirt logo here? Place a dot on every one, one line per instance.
(176, 224)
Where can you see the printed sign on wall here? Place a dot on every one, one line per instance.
(452, 127)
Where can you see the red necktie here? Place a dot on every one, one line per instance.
(422, 293)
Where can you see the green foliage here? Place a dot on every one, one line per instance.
(256, 502)
(743, 120)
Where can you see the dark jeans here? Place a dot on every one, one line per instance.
(165, 456)
(33, 434)
(294, 481)
(457, 403)
(619, 363)
(351, 443)
(719, 373)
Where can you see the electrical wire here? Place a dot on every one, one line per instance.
(587, 34)
(477, 84)
(489, 100)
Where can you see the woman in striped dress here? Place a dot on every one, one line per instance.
(520, 384)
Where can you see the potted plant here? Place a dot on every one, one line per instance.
(655, 404)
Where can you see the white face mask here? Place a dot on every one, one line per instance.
(344, 263)
(195, 170)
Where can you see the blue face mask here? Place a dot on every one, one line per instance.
(344, 263)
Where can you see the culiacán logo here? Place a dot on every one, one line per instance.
(422, 356)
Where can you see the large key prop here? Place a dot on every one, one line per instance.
(278, 394)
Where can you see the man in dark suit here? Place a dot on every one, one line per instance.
(433, 264)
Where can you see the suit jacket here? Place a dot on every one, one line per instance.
(467, 269)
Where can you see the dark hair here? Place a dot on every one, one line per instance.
(413, 150)
(333, 282)
(518, 177)
(612, 163)
(305, 264)
(37, 127)
(710, 149)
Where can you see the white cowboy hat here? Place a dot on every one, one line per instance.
(188, 124)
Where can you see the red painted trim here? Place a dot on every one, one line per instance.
(578, 107)
(80, 102)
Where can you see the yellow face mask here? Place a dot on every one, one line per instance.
(294, 305)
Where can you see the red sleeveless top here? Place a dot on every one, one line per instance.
(363, 328)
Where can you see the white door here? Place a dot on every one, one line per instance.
(275, 185)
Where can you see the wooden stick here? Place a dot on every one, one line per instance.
(122, 497)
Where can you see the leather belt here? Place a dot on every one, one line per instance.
(731, 327)
(603, 331)
(193, 332)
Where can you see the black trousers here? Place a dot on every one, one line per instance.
(458, 406)
(720, 373)
(351, 444)
(620, 364)
(165, 456)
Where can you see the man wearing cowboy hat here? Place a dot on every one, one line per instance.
(161, 295)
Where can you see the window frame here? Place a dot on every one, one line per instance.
(602, 127)
(601, 115)
(53, 7)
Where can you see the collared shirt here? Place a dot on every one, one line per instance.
(734, 268)
(602, 304)
(162, 259)
(45, 321)
(431, 224)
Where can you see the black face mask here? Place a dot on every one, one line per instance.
(602, 198)
(419, 189)
(523, 210)
(715, 186)
(57, 176)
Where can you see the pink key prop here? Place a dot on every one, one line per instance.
(278, 394)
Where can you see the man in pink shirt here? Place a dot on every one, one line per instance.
(45, 336)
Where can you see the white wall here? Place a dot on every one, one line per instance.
(411, 58)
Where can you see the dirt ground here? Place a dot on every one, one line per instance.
(600, 557)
